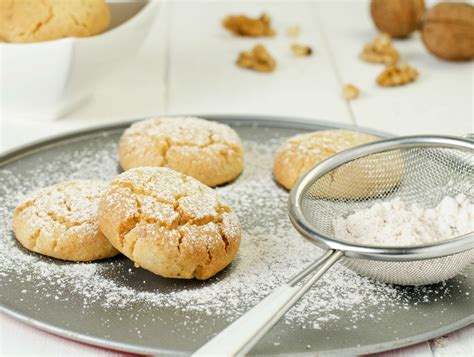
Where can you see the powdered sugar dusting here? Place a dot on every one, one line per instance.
(271, 252)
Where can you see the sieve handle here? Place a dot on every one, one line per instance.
(240, 336)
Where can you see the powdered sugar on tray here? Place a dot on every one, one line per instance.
(271, 251)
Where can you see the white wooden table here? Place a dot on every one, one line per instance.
(187, 66)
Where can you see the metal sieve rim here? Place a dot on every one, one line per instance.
(400, 253)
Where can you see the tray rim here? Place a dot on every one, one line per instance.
(302, 123)
(244, 120)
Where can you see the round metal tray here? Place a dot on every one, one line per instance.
(170, 330)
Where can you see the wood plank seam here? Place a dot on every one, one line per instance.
(333, 61)
(167, 11)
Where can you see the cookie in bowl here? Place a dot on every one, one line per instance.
(210, 152)
(25, 21)
(169, 223)
(60, 221)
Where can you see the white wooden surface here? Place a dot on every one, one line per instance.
(187, 66)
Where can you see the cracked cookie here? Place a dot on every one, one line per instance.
(301, 152)
(61, 221)
(208, 151)
(169, 223)
(36, 21)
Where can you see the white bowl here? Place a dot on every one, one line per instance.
(45, 80)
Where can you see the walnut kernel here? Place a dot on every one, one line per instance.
(350, 92)
(380, 50)
(257, 59)
(242, 25)
(302, 51)
(394, 75)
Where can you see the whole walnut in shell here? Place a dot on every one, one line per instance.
(399, 18)
(448, 31)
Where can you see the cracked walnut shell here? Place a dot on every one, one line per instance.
(169, 223)
(448, 31)
(394, 75)
(206, 150)
(242, 25)
(380, 50)
(399, 18)
(257, 59)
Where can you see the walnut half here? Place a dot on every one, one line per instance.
(380, 50)
(257, 59)
(394, 75)
(242, 25)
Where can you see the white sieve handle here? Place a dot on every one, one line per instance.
(240, 336)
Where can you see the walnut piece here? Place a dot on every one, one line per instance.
(242, 25)
(350, 92)
(257, 59)
(301, 51)
(394, 75)
(380, 50)
(293, 31)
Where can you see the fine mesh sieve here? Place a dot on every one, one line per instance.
(419, 170)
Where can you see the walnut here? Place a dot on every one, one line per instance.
(294, 31)
(380, 50)
(448, 31)
(399, 18)
(301, 51)
(257, 59)
(242, 25)
(394, 75)
(350, 92)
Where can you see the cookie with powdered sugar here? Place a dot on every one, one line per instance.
(366, 177)
(301, 152)
(61, 221)
(208, 151)
(169, 223)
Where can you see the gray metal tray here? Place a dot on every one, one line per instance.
(423, 314)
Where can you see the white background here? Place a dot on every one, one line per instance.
(187, 66)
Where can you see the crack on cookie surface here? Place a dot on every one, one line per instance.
(180, 240)
(133, 244)
(127, 226)
(140, 192)
(63, 220)
(44, 22)
(165, 139)
(34, 238)
(223, 237)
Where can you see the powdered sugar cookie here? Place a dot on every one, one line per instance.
(208, 151)
(301, 152)
(61, 221)
(169, 223)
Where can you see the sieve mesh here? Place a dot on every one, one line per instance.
(418, 175)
